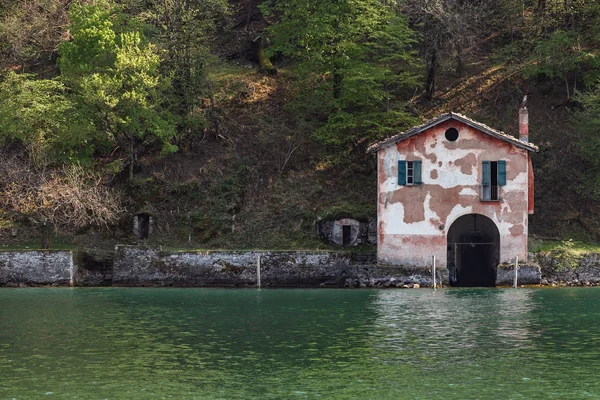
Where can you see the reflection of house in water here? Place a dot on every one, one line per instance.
(456, 189)
(455, 321)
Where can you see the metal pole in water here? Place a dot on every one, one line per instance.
(258, 272)
(516, 272)
(433, 271)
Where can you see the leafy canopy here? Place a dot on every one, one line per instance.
(40, 114)
(115, 73)
(355, 62)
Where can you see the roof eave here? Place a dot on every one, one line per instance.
(442, 118)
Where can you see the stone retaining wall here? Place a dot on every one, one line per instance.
(528, 274)
(33, 268)
(137, 266)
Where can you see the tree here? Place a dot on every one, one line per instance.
(39, 114)
(354, 59)
(115, 73)
(185, 31)
(587, 125)
(449, 29)
(557, 56)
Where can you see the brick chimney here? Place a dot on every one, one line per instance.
(523, 124)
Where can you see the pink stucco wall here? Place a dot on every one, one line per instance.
(413, 221)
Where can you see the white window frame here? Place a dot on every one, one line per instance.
(410, 173)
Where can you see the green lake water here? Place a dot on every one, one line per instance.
(130, 343)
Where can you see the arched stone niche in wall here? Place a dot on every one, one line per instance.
(345, 232)
(143, 225)
(348, 231)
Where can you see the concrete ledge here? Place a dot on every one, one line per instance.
(42, 267)
(528, 274)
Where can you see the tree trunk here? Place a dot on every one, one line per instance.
(45, 233)
(249, 15)
(431, 70)
(541, 6)
(460, 65)
(264, 60)
(131, 158)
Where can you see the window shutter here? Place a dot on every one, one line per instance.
(501, 173)
(401, 173)
(417, 172)
(486, 173)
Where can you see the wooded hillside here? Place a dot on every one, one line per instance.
(240, 123)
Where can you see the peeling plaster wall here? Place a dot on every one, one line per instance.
(413, 221)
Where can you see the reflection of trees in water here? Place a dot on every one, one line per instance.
(246, 340)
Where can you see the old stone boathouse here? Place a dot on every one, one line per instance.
(457, 189)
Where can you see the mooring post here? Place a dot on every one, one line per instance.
(516, 272)
(433, 270)
(258, 271)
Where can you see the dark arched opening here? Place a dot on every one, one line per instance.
(473, 251)
(142, 225)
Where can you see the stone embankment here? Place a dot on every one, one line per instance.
(141, 267)
(138, 266)
(36, 268)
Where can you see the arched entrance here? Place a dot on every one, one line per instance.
(473, 251)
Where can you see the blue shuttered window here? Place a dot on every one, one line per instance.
(493, 176)
(409, 173)
(501, 173)
(417, 172)
(401, 173)
(486, 174)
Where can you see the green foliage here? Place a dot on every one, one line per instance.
(354, 60)
(553, 39)
(587, 123)
(566, 257)
(185, 30)
(116, 75)
(221, 200)
(39, 114)
(92, 48)
(349, 210)
(557, 56)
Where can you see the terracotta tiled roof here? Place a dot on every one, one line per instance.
(445, 117)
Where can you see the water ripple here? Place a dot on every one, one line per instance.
(271, 344)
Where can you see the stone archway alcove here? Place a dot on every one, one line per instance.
(473, 251)
(142, 225)
(345, 231)
(348, 231)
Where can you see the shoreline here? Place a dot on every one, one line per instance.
(135, 266)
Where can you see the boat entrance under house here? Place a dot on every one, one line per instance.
(473, 251)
